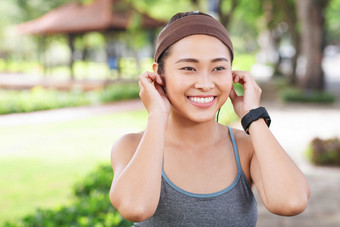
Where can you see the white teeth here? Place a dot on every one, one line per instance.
(201, 100)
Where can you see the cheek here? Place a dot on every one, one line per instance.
(170, 86)
(224, 88)
(226, 84)
(174, 88)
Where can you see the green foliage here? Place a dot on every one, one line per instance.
(245, 25)
(332, 21)
(122, 92)
(244, 61)
(238, 89)
(227, 114)
(298, 95)
(91, 206)
(39, 98)
(324, 152)
(163, 9)
(98, 181)
(83, 70)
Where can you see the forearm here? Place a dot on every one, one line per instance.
(282, 181)
(139, 183)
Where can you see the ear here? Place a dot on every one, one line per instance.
(155, 67)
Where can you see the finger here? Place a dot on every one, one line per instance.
(141, 89)
(242, 76)
(160, 90)
(239, 77)
(159, 79)
(233, 96)
(155, 77)
(235, 77)
(246, 79)
(146, 78)
(150, 77)
(140, 85)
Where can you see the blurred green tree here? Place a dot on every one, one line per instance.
(333, 23)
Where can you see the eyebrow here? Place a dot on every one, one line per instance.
(219, 59)
(197, 61)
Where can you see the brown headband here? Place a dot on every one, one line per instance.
(191, 25)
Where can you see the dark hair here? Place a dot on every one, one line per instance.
(166, 52)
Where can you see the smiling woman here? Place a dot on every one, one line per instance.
(186, 169)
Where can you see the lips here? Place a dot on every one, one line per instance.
(202, 101)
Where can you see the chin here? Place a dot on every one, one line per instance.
(201, 118)
(209, 117)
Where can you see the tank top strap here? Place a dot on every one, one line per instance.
(239, 168)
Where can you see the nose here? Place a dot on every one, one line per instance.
(204, 82)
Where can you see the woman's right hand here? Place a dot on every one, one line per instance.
(152, 93)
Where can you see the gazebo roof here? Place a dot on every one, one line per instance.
(100, 15)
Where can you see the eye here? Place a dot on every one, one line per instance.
(219, 68)
(188, 68)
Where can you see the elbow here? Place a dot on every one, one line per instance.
(290, 207)
(135, 213)
(296, 206)
(132, 211)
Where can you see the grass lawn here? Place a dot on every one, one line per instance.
(39, 164)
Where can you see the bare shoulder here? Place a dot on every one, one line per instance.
(245, 150)
(243, 140)
(124, 148)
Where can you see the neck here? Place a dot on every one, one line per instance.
(191, 133)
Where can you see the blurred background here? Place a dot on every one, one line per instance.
(69, 88)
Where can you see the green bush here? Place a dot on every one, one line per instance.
(39, 98)
(91, 206)
(298, 95)
(98, 181)
(324, 152)
(119, 92)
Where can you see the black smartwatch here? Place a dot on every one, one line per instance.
(254, 115)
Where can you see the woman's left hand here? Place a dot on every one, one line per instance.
(252, 93)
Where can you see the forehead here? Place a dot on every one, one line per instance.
(200, 46)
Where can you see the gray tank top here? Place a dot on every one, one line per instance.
(232, 206)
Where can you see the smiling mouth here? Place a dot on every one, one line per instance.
(202, 100)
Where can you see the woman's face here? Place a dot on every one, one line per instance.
(198, 77)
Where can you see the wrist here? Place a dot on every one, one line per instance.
(255, 115)
(158, 116)
(247, 110)
(255, 124)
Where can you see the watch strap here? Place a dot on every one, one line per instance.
(254, 115)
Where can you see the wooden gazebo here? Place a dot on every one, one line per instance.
(74, 19)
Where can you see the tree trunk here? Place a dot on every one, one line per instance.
(290, 11)
(42, 53)
(312, 21)
(270, 9)
(297, 46)
(71, 38)
(225, 17)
